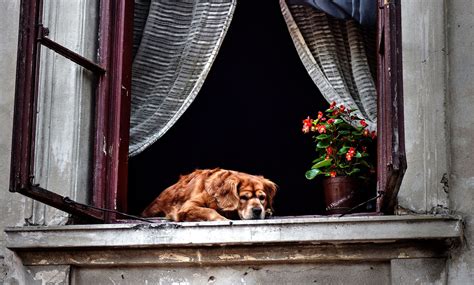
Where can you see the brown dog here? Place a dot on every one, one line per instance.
(215, 195)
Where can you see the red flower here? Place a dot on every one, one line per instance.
(330, 121)
(364, 149)
(374, 135)
(363, 123)
(342, 108)
(366, 133)
(327, 157)
(321, 128)
(348, 156)
(329, 150)
(307, 123)
(320, 115)
(350, 153)
(335, 113)
(333, 104)
(333, 173)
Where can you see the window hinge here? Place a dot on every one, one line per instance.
(42, 32)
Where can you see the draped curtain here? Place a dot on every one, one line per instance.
(175, 44)
(339, 55)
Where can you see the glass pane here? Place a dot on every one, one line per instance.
(64, 137)
(73, 24)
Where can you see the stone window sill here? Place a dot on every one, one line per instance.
(300, 230)
(331, 238)
(303, 250)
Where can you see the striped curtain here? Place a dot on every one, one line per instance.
(174, 46)
(338, 55)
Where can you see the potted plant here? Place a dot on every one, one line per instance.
(343, 147)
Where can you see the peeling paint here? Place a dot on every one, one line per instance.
(175, 257)
(51, 277)
(403, 255)
(248, 257)
(229, 256)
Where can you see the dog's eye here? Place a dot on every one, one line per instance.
(261, 197)
(245, 198)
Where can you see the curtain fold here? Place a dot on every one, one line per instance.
(363, 11)
(338, 57)
(172, 57)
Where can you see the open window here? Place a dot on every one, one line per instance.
(109, 117)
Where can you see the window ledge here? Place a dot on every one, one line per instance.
(303, 230)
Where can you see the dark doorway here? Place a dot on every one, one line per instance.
(247, 117)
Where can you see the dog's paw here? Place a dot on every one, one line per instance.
(268, 213)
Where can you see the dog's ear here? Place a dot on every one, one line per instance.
(270, 189)
(226, 191)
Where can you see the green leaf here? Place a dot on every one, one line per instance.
(322, 144)
(344, 132)
(322, 137)
(310, 174)
(338, 121)
(353, 171)
(329, 110)
(357, 133)
(319, 159)
(364, 163)
(323, 163)
(358, 155)
(343, 149)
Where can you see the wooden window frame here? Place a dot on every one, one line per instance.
(112, 101)
(112, 113)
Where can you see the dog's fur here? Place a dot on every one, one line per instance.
(215, 195)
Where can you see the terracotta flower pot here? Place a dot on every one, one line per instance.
(341, 194)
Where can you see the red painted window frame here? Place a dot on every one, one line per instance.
(110, 160)
(391, 157)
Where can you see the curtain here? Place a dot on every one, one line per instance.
(174, 46)
(339, 55)
(363, 11)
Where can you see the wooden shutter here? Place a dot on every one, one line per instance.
(111, 114)
(391, 160)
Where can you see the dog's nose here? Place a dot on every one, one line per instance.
(257, 211)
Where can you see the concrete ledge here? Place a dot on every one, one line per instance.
(374, 229)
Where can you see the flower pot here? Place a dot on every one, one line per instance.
(341, 194)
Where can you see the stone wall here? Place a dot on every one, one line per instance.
(11, 205)
(439, 86)
(460, 80)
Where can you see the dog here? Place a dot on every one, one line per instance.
(215, 195)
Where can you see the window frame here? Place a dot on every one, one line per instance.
(112, 101)
(112, 113)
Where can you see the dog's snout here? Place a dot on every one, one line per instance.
(257, 211)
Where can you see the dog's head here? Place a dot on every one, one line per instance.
(251, 196)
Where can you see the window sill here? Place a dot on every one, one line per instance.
(296, 239)
(356, 250)
(301, 230)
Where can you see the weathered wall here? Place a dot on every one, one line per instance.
(11, 205)
(439, 87)
(460, 43)
(425, 96)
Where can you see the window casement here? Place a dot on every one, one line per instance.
(112, 71)
(111, 112)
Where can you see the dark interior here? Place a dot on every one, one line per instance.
(247, 117)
